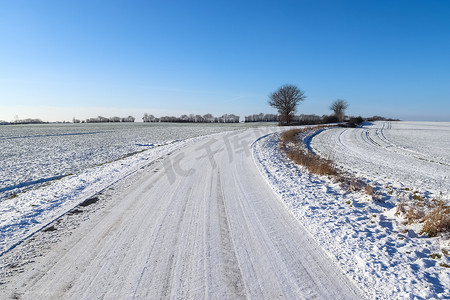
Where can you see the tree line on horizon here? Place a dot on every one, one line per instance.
(285, 99)
(261, 117)
(101, 119)
(294, 119)
(207, 118)
(24, 121)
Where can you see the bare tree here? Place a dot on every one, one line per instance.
(198, 119)
(285, 100)
(128, 119)
(338, 107)
(208, 118)
(184, 118)
(149, 118)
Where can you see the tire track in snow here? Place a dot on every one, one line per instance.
(399, 149)
(166, 290)
(390, 152)
(232, 271)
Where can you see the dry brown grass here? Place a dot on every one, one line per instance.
(413, 215)
(355, 185)
(298, 154)
(417, 197)
(434, 215)
(435, 256)
(312, 163)
(437, 221)
(401, 208)
(369, 190)
(295, 150)
(290, 135)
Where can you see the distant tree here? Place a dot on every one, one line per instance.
(262, 118)
(233, 118)
(209, 118)
(184, 118)
(338, 107)
(192, 118)
(128, 119)
(355, 121)
(99, 119)
(29, 121)
(285, 100)
(329, 119)
(199, 119)
(149, 118)
(308, 119)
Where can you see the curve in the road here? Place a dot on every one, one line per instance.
(202, 223)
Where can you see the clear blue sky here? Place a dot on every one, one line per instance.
(64, 59)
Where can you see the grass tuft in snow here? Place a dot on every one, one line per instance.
(434, 214)
(437, 221)
(13, 196)
(369, 191)
(435, 256)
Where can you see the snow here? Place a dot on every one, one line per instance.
(25, 214)
(213, 229)
(385, 258)
(53, 168)
(414, 155)
(35, 154)
(227, 215)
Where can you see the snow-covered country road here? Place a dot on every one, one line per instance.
(201, 222)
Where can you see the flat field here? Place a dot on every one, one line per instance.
(412, 155)
(34, 154)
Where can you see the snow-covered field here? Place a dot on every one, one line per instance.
(34, 154)
(414, 155)
(388, 260)
(45, 170)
